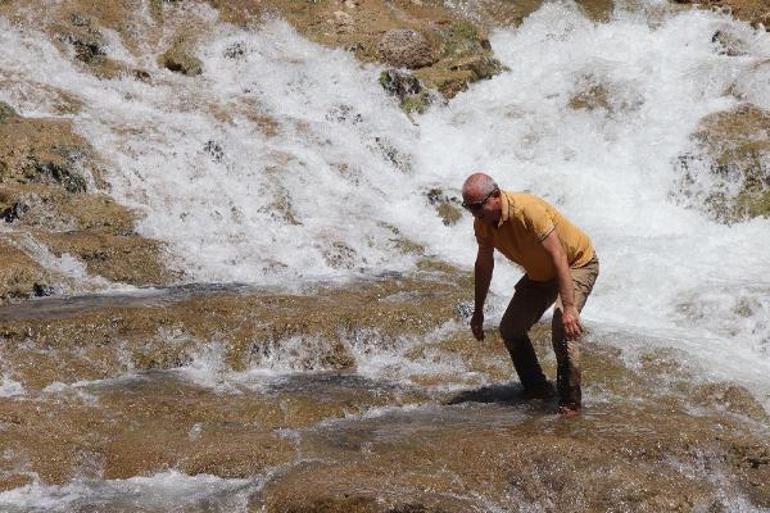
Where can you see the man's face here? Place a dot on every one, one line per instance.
(486, 208)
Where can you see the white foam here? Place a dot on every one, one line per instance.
(165, 491)
(11, 388)
(324, 196)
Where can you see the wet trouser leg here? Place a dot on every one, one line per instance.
(530, 300)
(567, 351)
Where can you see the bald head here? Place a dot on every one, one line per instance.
(478, 186)
(481, 196)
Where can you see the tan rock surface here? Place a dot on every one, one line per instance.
(755, 12)
(735, 147)
(344, 442)
(48, 191)
(167, 333)
(20, 276)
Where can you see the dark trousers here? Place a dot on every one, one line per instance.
(530, 300)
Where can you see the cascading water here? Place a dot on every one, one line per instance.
(285, 164)
(343, 175)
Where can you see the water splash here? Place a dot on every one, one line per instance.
(284, 162)
(165, 491)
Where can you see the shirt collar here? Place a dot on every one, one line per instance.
(504, 208)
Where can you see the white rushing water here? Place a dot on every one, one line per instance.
(344, 176)
(162, 492)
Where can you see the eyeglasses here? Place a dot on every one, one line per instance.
(477, 205)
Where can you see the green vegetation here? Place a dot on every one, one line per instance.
(6, 112)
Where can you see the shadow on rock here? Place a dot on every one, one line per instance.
(511, 394)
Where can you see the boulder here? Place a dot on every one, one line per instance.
(734, 146)
(406, 48)
(180, 58)
(413, 96)
(400, 83)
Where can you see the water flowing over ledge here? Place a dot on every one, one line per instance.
(282, 165)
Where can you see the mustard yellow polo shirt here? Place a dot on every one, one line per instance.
(525, 221)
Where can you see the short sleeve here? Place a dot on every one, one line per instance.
(482, 234)
(538, 220)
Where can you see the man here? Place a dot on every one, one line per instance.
(560, 265)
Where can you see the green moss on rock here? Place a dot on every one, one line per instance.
(6, 112)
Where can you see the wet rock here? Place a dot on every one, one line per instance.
(42, 290)
(751, 460)
(412, 96)
(342, 22)
(49, 207)
(732, 398)
(465, 58)
(15, 212)
(87, 49)
(20, 276)
(399, 83)
(591, 98)
(339, 255)
(142, 75)
(252, 328)
(71, 180)
(405, 245)
(448, 82)
(9, 482)
(228, 444)
(344, 114)
(642, 448)
(6, 112)
(159, 422)
(44, 167)
(755, 12)
(214, 150)
(447, 206)
(180, 58)
(235, 50)
(280, 208)
(406, 48)
(83, 36)
(156, 7)
(734, 147)
(121, 258)
(428, 36)
(727, 44)
(482, 66)
(42, 151)
(532, 460)
(463, 38)
(399, 160)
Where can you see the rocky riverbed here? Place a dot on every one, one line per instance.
(235, 271)
(388, 408)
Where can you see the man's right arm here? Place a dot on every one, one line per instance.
(485, 265)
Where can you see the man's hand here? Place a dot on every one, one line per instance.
(482, 275)
(571, 321)
(477, 324)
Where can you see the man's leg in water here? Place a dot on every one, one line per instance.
(530, 300)
(567, 351)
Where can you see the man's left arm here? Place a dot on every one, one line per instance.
(570, 314)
